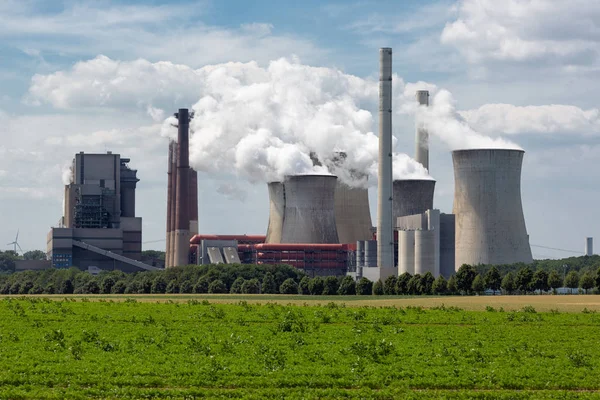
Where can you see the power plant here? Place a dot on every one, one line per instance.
(317, 222)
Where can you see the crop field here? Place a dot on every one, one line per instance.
(77, 348)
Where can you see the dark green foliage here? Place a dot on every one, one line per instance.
(597, 278)
(186, 287)
(555, 280)
(66, 287)
(465, 277)
(201, 285)
(134, 287)
(572, 280)
(440, 286)
(159, 285)
(523, 280)
(289, 286)
(540, 281)
(452, 286)
(587, 281)
(378, 288)
(330, 286)
(303, 286)
(316, 286)
(119, 287)
(7, 261)
(508, 283)
(107, 284)
(347, 286)
(402, 283)
(251, 286)
(390, 285)
(414, 285)
(34, 255)
(478, 285)
(268, 284)
(92, 287)
(236, 286)
(493, 280)
(426, 284)
(217, 286)
(364, 287)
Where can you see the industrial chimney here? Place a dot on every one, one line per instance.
(168, 251)
(422, 139)
(182, 217)
(412, 196)
(385, 238)
(490, 226)
(589, 246)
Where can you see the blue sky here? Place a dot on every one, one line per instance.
(523, 70)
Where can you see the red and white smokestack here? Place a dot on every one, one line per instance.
(182, 219)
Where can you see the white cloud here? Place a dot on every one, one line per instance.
(547, 32)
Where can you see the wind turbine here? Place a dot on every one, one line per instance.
(16, 243)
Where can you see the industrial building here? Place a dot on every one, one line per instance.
(99, 227)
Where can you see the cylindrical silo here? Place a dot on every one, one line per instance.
(370, 253)
(276, 208)
(352, 213)
(425, 253)
(406, 252)
(490, 226)
(412, 196)
(309, 215)
(360, 253)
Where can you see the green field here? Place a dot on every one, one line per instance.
(76, 348)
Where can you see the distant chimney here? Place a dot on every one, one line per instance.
(422, 139)
(182, 217)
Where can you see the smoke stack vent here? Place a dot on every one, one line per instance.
(422, 139)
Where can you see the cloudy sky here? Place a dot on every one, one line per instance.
(103, 75)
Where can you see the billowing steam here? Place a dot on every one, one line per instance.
(67, 174)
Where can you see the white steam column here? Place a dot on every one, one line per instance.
(422, 139)
(385, 233)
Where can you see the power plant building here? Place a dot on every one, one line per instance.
(99, 227)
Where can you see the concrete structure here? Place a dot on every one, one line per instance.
(385, 238)
(490, 226)
(422, 136)
(309, 215)
(182, 208)
(210, 250)
(170, 203)
(32, 265)
(352, 213)
(412, 196)
(276, 210)
(406, 252)
(99, 210)
(447, 245)
(424, 253)
(589, 246)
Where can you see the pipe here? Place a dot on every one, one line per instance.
(422, 136)
(246, 239)
(182, 219)
(385, 245)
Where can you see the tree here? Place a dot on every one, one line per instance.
(587, 281)
(572, 280)
(540, 281)
(236, 286)
(316, 285)
(523, 279)
(554, 280)
(330, 286)
(598, 278)
(464, 278)
(364, 287)
(107, 283)
(92, 287)
(119, 287)
(478, 285)
(289, 286)
(201, 285)
(347, 286)
(508, 283)
(185, 287)
(251, 286)
(493, 280)
(34, 255)
(426, 283)
(217, 286)
(66, 287)
(303, 285)
(452, 287)
(159, 285)
(7, 261)
(378, 288)
(440, 286)
(402, 283)
(414, 285)
(268, 284)
(390, 285)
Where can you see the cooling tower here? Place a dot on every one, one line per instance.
(412, 196)
(352, 213)
(406, 252)
(490, 227)
(308, 215)
(276, 208)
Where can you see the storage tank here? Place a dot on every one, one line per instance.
(370, 253)
(412, 196)
(425, 253)
(352, 213)
(309, 215)
(406, 252)
(276, 208)
(360, 253)
(490, 226)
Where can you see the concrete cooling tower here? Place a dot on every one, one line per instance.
(490, 227)
(308, 207)
(412, 196)
(352, 214)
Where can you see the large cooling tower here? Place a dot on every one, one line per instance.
(352, 214)
(490, 227)
(412, 196)
(308, 215)
(276, 208)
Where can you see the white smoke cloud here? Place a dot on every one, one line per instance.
(157, 114)
(67, 174)
(232, 191)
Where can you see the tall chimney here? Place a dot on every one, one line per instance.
(171, 259)
(182, 223)
(385, 233)
(169, 203)
(422, 139)
(193, 202)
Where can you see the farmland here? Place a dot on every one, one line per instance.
(193, 347)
